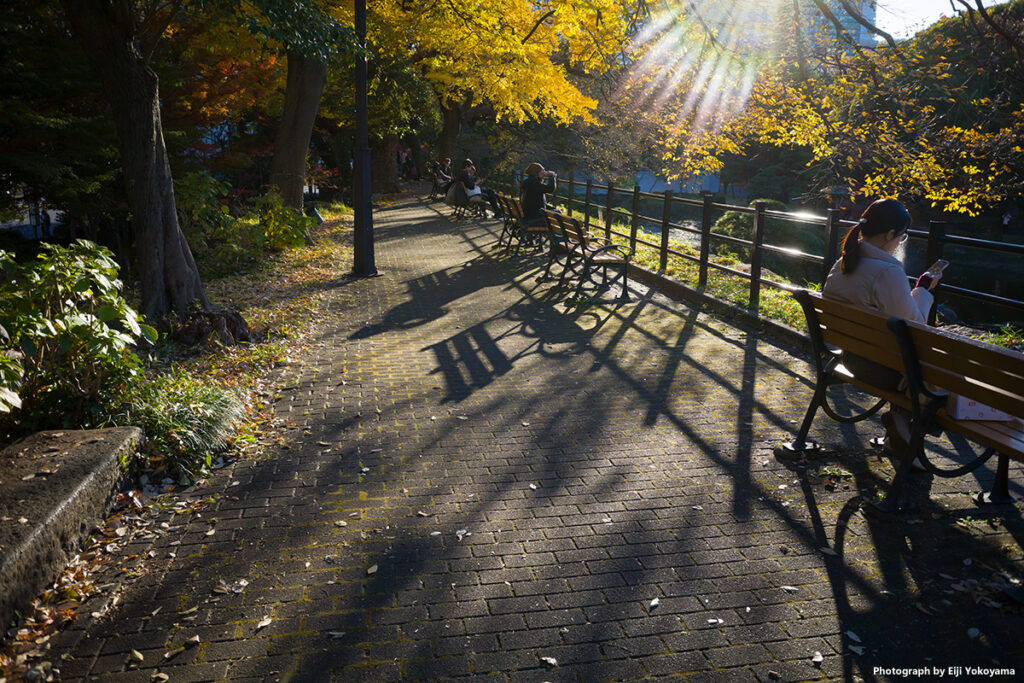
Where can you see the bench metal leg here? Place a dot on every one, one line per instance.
(1000, 493)
(800, 445)
(551, 259)
(584, 276)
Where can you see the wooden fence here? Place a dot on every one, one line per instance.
(575, 196)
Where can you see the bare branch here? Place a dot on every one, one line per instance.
(537, 26)
(868, 25)
(1008, 37)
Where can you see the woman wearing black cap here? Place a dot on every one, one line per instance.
(869, 275)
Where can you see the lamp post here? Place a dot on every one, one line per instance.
(361, 189)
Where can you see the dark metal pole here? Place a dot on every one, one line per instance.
(361, 188)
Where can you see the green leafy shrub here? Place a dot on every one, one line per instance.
(203, 213)
(280, 227)
(186, 421)
(225, 244)
(66, 317)
(10, 374)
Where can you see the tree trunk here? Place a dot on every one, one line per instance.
(452, 115)
(384, 164)
(166, 270)
(303, 89)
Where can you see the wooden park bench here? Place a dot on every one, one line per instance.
(936, 364)
(511, 225)
(458, 198)
(515, 226)
(572, 241)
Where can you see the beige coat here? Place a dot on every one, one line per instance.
(880, 283)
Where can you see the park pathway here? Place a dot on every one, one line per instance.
(482, 482)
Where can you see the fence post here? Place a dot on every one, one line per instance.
(666, 219)
(634, 218)
(609, 203)
(571, 195)
(755, 257)
(705, 240)
(831, 239)
(936, 240)
(936, 237)
(586, 209)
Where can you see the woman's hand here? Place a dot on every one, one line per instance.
(928, 281)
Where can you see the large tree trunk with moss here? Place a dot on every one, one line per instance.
(384, 164)
(169, 279)
(303, 89)
(451, 113)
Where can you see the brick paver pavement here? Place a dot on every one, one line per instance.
(484, 483)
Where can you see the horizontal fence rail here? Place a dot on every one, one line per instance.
(618, 214)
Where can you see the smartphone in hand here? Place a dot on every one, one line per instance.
(937, 268)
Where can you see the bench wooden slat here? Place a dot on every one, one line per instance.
(1005, 437)
(878, 341)
(840, 309)
(999, 397)
(937, 365)
(890, 358)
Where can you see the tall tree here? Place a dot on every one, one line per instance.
(117, 36)
(309, 34)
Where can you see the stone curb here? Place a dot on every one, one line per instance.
(724, 309)
(61, 483)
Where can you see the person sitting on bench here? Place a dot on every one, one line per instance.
(444, 175)
(869, 275)
(532, 193)
(473, 186)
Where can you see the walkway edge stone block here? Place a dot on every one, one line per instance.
(55, 486)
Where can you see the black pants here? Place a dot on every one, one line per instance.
(492, 199)
(871, 372)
